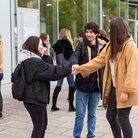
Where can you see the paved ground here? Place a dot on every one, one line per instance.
(16, 122)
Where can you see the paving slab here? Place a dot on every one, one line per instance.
(16, 122)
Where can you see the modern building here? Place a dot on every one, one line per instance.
(22, 18)
(19, 20)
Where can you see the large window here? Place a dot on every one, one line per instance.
(128, 9)
(28, 4)
(110, 11)
(71, 14)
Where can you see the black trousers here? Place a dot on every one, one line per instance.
(118, 118)
(39, 118)
(1, 99)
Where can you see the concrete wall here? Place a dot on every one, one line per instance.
(5, 30)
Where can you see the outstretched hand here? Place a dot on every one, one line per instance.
(75, 69)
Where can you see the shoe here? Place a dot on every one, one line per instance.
(100, 107)
(72, 109)
(1, 115)
(54, 109)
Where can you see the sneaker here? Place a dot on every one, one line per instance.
(54, 109)
(100, 107)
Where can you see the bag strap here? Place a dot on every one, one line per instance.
(23, 72)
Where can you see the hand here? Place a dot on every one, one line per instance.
(75, 69)
(123, 97)
(45, 51)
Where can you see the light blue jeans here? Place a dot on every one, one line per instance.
(70, 80)
(83, 100)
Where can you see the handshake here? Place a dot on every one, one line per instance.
(75, 69)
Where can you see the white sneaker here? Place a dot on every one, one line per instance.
(100, 107)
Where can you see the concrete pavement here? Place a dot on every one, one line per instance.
(16, 122)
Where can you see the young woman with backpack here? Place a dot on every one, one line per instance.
(38, 75)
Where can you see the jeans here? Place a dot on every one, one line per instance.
(39, 118)
(83, 100)
(1, 99)
(70, 80)
(118, 118)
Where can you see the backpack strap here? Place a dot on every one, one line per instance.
(23, 71)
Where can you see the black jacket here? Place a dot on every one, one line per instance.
(80, 56)
(47, 58)
(38, 76)
(63, 46)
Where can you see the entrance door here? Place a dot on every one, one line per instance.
(28, 24)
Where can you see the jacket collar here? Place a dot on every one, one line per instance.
(25, 54)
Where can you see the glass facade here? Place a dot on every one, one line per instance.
(28, 4)
(128, 9)
(73, 14)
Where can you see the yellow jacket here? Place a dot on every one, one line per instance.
(1, 55)
(125, 73)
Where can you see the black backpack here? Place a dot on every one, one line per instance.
(18, 82)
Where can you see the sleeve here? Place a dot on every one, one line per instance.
(94, 64)
(75, 57)
(131, 78)
(48, 72)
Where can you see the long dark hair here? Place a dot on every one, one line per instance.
(31, 44)
(119, 33)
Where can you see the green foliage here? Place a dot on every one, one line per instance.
(72, 14)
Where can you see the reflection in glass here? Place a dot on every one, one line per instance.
(28, 4)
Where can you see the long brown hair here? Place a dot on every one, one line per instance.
(119, 33)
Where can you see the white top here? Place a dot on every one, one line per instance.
(112, 71)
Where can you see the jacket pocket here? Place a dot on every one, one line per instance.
(39, 93)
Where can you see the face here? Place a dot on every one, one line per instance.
(47, 39)
(80, 39)
(90, 35)
(40, 47)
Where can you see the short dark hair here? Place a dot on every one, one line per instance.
(31, 44)
(92, 26)
(43, 36)
(81, 34)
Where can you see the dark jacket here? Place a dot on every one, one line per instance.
(38, 76)
(63, 46)
(47, 58)
(80, 56)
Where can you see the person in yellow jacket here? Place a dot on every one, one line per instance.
(120, 80)
(1, 75)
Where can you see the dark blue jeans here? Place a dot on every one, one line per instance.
(1, 99)
(118, 118)
(70, 80)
